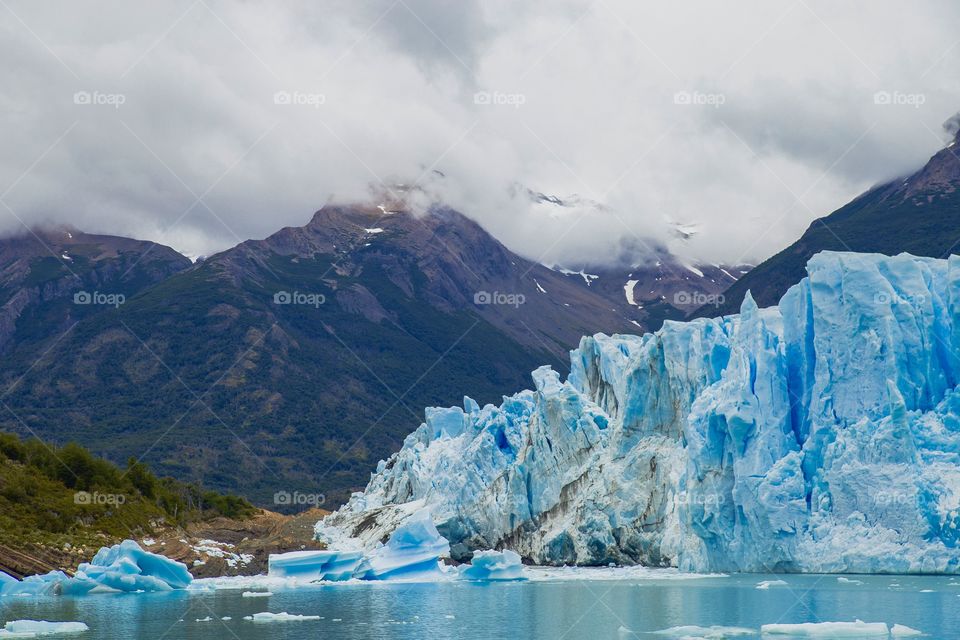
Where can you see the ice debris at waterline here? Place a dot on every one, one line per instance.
(312, 566)
(122, 567)
(37, 628)
(413, 552)
(819, 435)
(492, 566)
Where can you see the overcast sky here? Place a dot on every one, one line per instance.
(202, 123)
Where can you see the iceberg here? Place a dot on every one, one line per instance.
(819, 435)
(122, 567)
(312, 566)
(487, 566)
(127, 567)
(413, 552)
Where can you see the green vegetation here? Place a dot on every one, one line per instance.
(53, 496)
(283, 402)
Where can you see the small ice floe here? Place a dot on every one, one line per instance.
(843, 580)
(450, 617)
(374, 230)
(207, 619)
(35, 628)
(283, 616)
(706, 633)
(766, 584)
(857, 629)
(256, 594)
(901, 631)
(225, 618)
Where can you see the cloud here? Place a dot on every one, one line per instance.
(203, 123)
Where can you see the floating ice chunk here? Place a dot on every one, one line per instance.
(314, 565)
(35, 628)
(706, 633)
(766, 584)
(256, 594)
(858, 629)
(122, 567)
(413, 552)
(843, 580)
(494, 565)
(283, 616)
(127, 567)
(48, 584)
(901, 631)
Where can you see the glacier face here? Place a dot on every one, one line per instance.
(819, 435)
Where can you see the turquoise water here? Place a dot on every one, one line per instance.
(569, 610)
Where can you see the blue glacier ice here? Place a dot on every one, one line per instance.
(314, 565)
(493, 566)
(413, 552)
(822, 434)
(122, 567)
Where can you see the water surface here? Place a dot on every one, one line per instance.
(592, 609)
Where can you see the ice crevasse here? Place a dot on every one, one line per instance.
(822, 434)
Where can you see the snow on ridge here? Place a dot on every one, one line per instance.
(587, 277)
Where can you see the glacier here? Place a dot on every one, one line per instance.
(819, 435)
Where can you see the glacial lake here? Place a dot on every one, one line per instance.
(588, 608)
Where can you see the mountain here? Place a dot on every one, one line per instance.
(820, 435)
(660, 286)
(919, 215)
(283, 368)
(42, 269)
